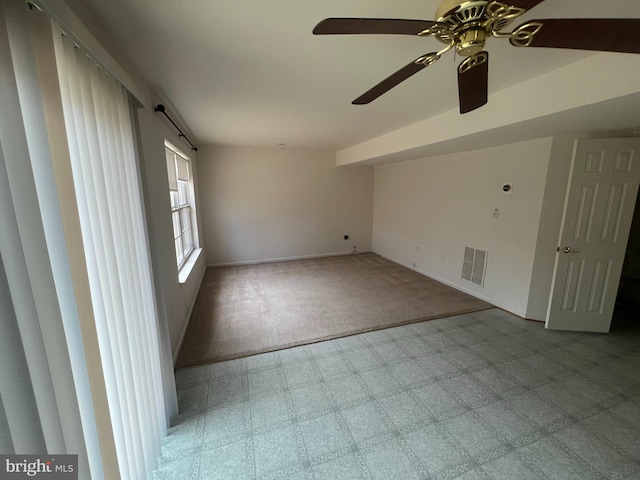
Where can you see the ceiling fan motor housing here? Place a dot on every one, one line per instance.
(467, 22)
(470, 41)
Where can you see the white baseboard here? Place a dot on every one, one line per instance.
(537, 318)
(462, 289)
(281, 259)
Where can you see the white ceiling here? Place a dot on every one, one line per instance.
(250, 72)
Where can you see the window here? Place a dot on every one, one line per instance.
(182, 205)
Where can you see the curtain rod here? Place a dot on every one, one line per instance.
(160, 108)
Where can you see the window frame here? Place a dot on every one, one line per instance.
(182, 205)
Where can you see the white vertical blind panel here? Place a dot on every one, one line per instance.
(97, 113)
(81, 138)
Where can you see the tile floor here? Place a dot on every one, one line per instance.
(477, 396)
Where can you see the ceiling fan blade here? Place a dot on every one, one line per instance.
(333, 26)
(600, 34)
(473, 80)
(396, 78)
(526, 4)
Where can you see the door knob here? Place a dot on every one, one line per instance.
(568, 250)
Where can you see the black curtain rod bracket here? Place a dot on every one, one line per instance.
(160, 108)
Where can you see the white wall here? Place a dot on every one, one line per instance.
(260, 204)
(426, 211)
(176, 299)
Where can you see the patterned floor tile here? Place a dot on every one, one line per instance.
(411, 373)
(629, 411)
(364, 358)
(376, 337)
(266, 381)
(294, 355)
(415, 346)
(224, 423)
(311, 400)
(346, 467)
(365, 422)
(380, 381)
(388, 461)
(403, 410)
(506, 422)
(188, 376)
(546, 366)
(325, 435)
(495, 380)
(305, 372)
(617, 431)
(348, 389)
(523, 373)
(437, 400)
(478, 396)
(555, 463)
(334, 366)
(229, 368)
(270, 410)
(434, 449)
(509, 467)
(228, 390)
(465, 359)
(262, 361)
(468, 390)
(441, 341)
(471, 434)
(439, 366)
(351, 342)
(592, 449)
(535, 409)
(463, 336)
(224, 463)
(557, 394)
(276, 450)
(391, 352)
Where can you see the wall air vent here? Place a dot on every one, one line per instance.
(474, 265)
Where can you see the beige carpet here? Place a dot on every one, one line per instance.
(249, 309)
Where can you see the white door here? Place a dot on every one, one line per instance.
(598, 211)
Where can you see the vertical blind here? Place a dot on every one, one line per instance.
(97, 115)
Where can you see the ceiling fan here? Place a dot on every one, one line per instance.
(466, 25)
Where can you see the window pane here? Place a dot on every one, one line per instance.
(174, 199)
(187, 241)
(171, 169)
(185, 218)
(183, 193)
(179, 253)
(176, 224)
(183, 168)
